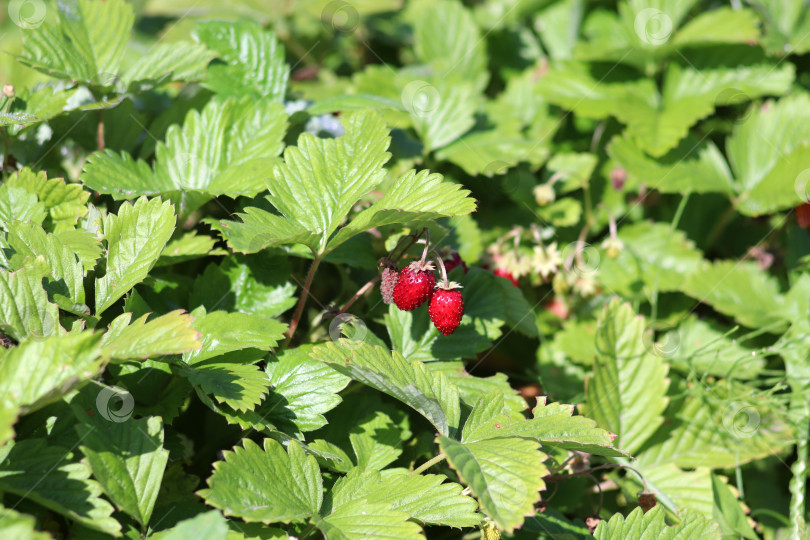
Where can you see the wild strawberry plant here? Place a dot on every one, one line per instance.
(339, 269)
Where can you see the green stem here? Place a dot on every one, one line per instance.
(798, 482)
(428, 464)
(719, 227)
(675, 220)
(299, 310)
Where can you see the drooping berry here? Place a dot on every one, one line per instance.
(506, 274)
(454, 261)
(446, 308)
(803, 215)
(414, 286)
(389, 279)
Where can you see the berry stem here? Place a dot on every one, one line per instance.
(427, 245)
(299, 310)
(413, 238)
(428, 464)
(365, 288)
(443, 269)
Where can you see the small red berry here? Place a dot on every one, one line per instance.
(506, 274)
(414, 286)
(387, 283)
(454, 261)
(446, 309)
(803, 215)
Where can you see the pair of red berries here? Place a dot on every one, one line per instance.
(415, 285)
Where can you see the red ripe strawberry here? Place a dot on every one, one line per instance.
(803, 215)
(446, 308)
(414, 286)
(454, 261)
(506, 274)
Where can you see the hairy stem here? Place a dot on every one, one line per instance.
(428, 464)
(360, 293)
(100, 131)
(798, 482)
(299, 310)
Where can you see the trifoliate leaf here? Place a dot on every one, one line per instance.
(166, 335)
(52, 477)
(431, 394)
(426, 498)
(253, 59)
(135, 238)
(627, 392)
(127, 457)
(266, 484)
(639, 525)
(505, 475)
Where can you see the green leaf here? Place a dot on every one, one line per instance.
(693, 166)
(441, 112)
(728, 512)
(127, 457)
(50, 476)
(188, 247)
(65, 283)
(86, 42)
(627, 392)
(430, 394)
(493, 152)
(768, 152)
(447, 38)
(25, 311)
(472, 388)
(552, 424)
(135, 237)
(655, 258)
(69, 361)
(253, 59)
(558, 26)
(741, 290)
(302, 390)
(505, 475)
(425, 498)
(178, 61)
(266, 484)
(84, 244)
(321, 179)
(166, 335)
(361, 519)
(639, 525)
(723, 25)
(240, 386)
(17, 204)
(120, 175)
(414, 197)
(224, 332)
(204, 526)
(16, 525)
(723, 429)
(65, 203)
(676, 489)
(696, 347)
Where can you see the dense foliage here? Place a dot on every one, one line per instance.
(205, 207)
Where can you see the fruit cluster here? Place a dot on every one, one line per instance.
(416, 284)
